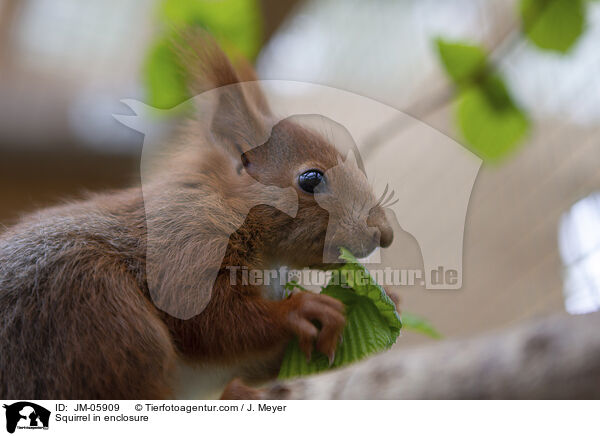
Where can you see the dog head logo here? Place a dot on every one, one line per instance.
(418, 175)
(26, 415)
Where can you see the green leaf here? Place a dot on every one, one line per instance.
(372, 323)
(365, 333)
(462, 61)
(489, 120)
(553, 24)
(419, 324)
(358, 278)
(235, 24)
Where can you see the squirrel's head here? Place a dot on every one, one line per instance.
(336, 204)
(309, 154)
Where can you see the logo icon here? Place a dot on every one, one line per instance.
(414, 186)
(26, 415)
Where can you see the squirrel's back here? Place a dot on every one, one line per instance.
(47, 242)
(75, 273)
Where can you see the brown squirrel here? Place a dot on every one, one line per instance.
(76, 317)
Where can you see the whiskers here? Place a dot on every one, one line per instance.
(387, 199)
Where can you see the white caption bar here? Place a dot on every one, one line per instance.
(285, 418)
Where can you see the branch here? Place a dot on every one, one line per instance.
(557, 357)
(441, 96)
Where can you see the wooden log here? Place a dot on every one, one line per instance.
(556, 357)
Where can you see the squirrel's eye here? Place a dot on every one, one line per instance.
(309, 180)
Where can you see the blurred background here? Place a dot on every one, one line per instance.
(516, 82)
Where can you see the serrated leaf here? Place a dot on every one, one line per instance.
(372, 323)
(369, 288)
(553, 24)
(419, 324)
(365, 333)
(463, 62)
(489, 120)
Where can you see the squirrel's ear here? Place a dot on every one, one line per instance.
(351, 159)
(241, 111)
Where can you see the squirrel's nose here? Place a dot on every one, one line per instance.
(386, 235)
(378, 219)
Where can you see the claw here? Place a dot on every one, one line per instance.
(331, 357)
(307, 352)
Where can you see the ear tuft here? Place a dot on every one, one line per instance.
(240, 118)
(204, 64)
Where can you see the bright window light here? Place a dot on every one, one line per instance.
(579, 244)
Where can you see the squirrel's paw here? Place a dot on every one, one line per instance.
(305, 307)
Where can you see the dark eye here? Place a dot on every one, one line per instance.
(309, 180)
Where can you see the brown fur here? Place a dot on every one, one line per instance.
(76, 317)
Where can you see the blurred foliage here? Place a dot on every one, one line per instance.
(463, 62)
(490, 121)
(486, 114)
(419, 324)
(553, 24)
(235, 24)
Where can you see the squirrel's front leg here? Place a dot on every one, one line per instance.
(297, 314)
(236, 389)
(239, 323)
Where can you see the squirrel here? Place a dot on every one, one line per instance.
(76, 317)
